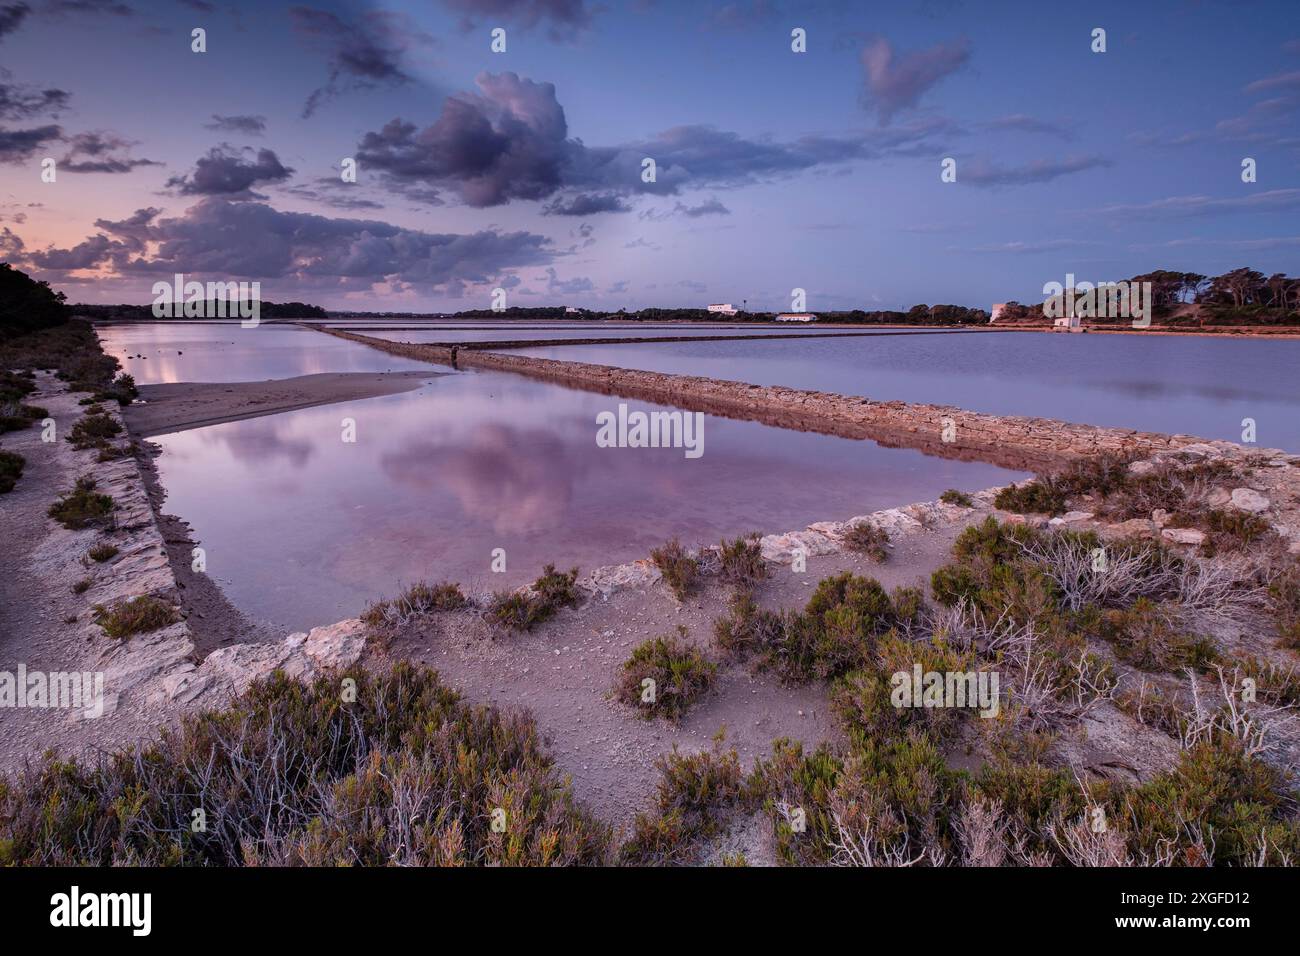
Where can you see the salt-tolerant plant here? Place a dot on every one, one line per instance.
(139, 615)
(869, 539)
(679, 570)
(665, 676)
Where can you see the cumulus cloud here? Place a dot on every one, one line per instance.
(19, 145)
(710, 207)
(225, 172)
(894, 83)
(585, 204)
(510, 141)
(253, 240)
(567, 286)
(247, 125)
(1038, 171)
(362, 54)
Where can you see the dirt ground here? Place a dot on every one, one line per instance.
(563, 672)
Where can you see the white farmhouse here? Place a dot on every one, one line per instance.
(723, 308)
(796, 317)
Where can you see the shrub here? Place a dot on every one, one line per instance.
(693, 791)
(122, 390)
(139, 615)
(15, 416)
(91, 430)
(82, 586)
(866, 538)
(83, 506)
(742, 564)
(11, 469)
(680, 571)
(1227, 530)
(747, 628)
(1146, 635)
(1040, 496)
(416, 601)
(15, 386)
(524, 610)
(291, 774)
(680, 675)
(954, 497)
(1284, 599)
(102, 553)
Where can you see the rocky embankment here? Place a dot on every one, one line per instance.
(1016, 442)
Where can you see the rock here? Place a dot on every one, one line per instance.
(1076, 517)
(783, 547)
(336, 645)
(1141, 467)
(1247, 499)
(1134, 527)
(1218, 497)
(1161, 517)
(1183, 536)
(620, 577)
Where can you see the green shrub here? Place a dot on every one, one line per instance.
(292, 774)
(693, 792)
(1284, 600)
(83, 506)
(91, 430)
(866, 538)
(82, 586)
(15, 416)
(680, 675)
(1146, 635)
(679, 570)
(524, 610)
(139, 615)
(742, 564)
(1227, 530)
(954, 497)
(1040, 496)
(418, 600)
(11, 469)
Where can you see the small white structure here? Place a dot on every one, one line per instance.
(1067, 323)
(998, 309)
(796, 317)
(723, 308)
(570, 309)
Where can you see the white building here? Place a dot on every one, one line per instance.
(570, 309)
(1067, 323)
(998, 309)
(796, 317)
(724, 308)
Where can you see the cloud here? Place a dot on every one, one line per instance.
(224, 172)
(710, 207)
(100, 152)
(567, 286)
(252, 240)
(1283, 81)
(510, 141)
(1020, 123)
(363, 54)
(895, 83)
(19, 145)
(1019, 247)
(742, 15)
(1188, 207)
(12, 16)
(585, 204)
(565, 18)
(1038, 171)
(19, 102)
(78, 7)
(332, 191)
(247, 125)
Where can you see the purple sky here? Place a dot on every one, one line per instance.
(523, 169)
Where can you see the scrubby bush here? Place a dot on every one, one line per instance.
(524, 610)
(290, 774)
(679, 570)
(1284, 600)
(742, 564)
(15, 416)
(418, 600)
(954, 497)
(866, 538)
(680, 675)
(93, 429)
(83, 506)
(1147, 636)
(139, 615)
(102, 552)
(1040, 496)
(11, 469)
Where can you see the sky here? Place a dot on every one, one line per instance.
(524, 169)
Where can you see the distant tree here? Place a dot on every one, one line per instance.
(27, 305)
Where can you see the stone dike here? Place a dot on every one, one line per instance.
(1021, 443)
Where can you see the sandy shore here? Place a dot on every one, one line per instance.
(183, 405)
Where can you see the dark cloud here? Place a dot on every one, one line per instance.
(895, 83)
(247, 125)
(710, 207)
(510, 141)
(252, 240)
(364, 53)
(19, 102)
(99, 152)
(332, 191)
(19, 145)
(585, 204)
(1038, 171)
(567, 286)
(225, 172)
(12, 16)
(564, 18)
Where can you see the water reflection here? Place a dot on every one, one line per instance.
(303, 528)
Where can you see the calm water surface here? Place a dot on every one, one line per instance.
(1199, 386)
(302, 529)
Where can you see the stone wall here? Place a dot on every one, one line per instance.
(1014, 442)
